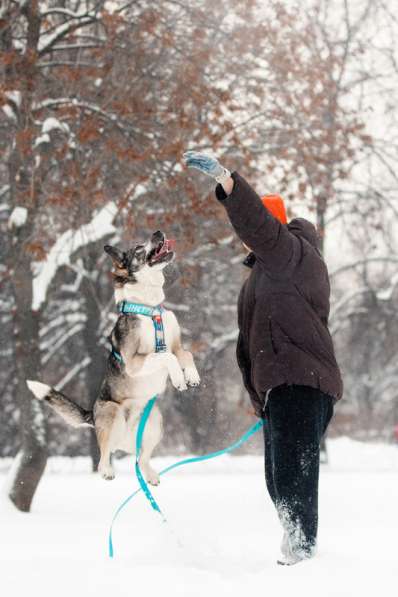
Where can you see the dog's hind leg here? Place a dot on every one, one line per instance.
(109, 427)
(152, 436)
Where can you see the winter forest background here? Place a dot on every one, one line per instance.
(98, 100)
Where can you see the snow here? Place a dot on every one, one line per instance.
(91, 107)
(72, 373)
(65, 12)
(38, 423)
(220, 342)
(386, 293)
(18, 217)
(14, 96)
(227, 240)
(222, 534)
(52, 123)
(69, 242)
(57, 340)
(9, 112)
(12, 472)
(4, 190)
(47, 40)
(42, 139)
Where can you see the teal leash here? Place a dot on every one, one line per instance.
(155, 313)
(143, 485)
(138, 443)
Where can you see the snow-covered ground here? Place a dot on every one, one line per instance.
(222, 537)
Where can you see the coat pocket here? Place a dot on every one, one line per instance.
(272, 336)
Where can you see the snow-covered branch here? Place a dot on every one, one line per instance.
(11, 108)
(18, 217)
(90, 107)
(221, 341)
(77, 21)
(385, 294)
(69, 242)
(72, 373)
(64, 12)
(4, 190)
(71, 63)
(361, 262)
(61, 340)
(62, 321)
(346, 299)
(175, 307)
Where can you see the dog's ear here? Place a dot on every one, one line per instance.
(117, 256)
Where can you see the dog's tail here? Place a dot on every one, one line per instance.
(71, 412)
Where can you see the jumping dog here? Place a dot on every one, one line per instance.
(135, 372)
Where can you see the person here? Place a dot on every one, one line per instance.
(284, 350)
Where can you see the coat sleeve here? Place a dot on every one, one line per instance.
(276, 248)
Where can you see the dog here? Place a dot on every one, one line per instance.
(135, 372)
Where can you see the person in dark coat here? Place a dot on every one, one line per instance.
(285, 351)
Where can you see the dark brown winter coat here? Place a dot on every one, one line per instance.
(283, 307)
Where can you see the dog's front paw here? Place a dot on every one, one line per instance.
(106, 472)
(178, 380)
(191, 377)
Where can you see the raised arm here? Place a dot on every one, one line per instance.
(272, 243)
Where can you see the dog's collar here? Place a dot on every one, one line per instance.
(127, 308)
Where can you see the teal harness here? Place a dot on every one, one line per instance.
(160, 344)
(127, 308)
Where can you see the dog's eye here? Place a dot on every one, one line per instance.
(140, 253)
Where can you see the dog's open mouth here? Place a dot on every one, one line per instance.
(162, 252)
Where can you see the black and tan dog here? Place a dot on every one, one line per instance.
(141, 372)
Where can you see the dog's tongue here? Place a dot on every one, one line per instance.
(169, 244)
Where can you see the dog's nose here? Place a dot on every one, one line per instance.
(157, 236)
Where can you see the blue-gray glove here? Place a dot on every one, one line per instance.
(206, 164)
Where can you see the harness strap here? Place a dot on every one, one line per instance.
(127, 308)
(160, 341)
(117, 355)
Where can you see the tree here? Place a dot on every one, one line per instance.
(85, 92)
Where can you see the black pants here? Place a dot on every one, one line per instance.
(296, 417)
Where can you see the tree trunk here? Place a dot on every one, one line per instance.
(32, 457)
(95, 371)
(24, 191)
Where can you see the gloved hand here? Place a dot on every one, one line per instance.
(206, 164)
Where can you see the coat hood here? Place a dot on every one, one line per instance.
(304, 229)
(299, 227)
